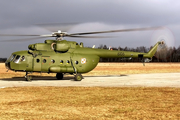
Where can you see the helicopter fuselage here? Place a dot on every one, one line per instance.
(65, 57)
(52, 62)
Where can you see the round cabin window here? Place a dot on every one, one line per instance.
(37, 60)
(76, 62)
(53, 61)
(44, 60)
(61, 62)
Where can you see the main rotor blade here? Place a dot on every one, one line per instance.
(26, 35)
(77, 36)
(16, 35)
(64, 34)
(19, 40)
(123, 30)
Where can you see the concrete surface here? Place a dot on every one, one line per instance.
(134, 80)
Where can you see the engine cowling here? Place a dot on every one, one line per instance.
(40, 46)
(61, 47)
(49, 45)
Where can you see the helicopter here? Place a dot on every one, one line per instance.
(61, 56)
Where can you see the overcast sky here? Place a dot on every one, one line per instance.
(22, 17)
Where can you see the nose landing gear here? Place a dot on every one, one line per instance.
(28, 77)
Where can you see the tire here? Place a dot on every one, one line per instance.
(59, 76)
(78, 77)
(28, 78)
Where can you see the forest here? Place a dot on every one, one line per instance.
(2, 60)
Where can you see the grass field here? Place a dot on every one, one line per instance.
(134, 68)
(89, 103)
(54, 103)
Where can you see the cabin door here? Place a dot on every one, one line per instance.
(37, 64)
(29, 63)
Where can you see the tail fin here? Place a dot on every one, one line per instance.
(153, 50)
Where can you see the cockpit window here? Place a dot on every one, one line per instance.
(16, 60)
(12, 57)
(22, 58)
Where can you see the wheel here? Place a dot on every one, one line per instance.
(59, 76)
(78, 77)
(28, 78)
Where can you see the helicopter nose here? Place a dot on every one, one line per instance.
(7, 64)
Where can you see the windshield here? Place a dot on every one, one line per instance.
(16, 60)
(12, 57)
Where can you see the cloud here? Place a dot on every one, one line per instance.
(19, 16)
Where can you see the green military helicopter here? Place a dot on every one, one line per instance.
(60, 56)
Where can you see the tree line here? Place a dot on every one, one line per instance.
(2, 60)
(163, 54)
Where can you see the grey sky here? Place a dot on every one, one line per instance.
(20, 17)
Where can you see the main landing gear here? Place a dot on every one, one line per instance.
(59, 76)
(77, 77)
